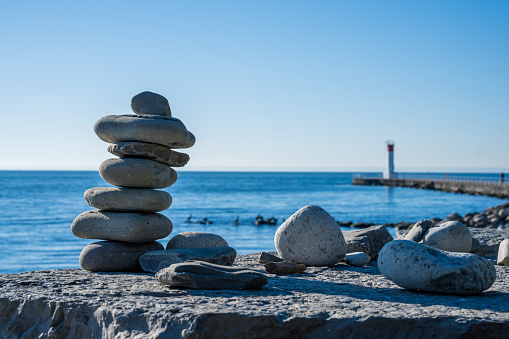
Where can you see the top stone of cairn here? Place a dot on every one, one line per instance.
(148, 103)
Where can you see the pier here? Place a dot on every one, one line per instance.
(475, 187)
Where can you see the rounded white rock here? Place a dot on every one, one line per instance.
(311, 237)
(357, 259)
(450, 236)
(419, 267)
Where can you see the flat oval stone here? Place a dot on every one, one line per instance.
(419, 267)
(206, 276)
(196, 240)
(121, 226)
(358, 259)
(311, 237)
(145, 150)
(122, 199)
(150, 103)
(115, 256)
(155, 129)
(138, 173)
(450, 236)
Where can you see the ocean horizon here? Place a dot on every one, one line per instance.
(37, 207)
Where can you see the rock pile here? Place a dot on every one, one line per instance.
(126, 216)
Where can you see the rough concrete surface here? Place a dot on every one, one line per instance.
(324, 302)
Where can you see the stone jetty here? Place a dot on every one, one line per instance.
(126, 217)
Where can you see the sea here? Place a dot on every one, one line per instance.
(37, 208)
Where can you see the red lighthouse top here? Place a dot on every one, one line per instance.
(390, 148)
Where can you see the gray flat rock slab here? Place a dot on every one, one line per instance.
(325, 302)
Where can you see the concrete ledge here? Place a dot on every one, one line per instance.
(494, 189)
(340, 301)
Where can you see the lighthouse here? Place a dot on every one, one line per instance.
(389, 172)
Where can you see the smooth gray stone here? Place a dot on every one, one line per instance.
(121, 226)
(419, 230)
(145, 150)
(196, 240)
(267, 257)
(206, 276)
(284, 267)
(137, 173)
(311, 237)
(115, 256)
(155, 129)
(157, 260)
(476, 245)
(358, 259)
(121, 199)
(419, 267)
(369, 240)
(450, 236)
(150, 103)
(503, 253)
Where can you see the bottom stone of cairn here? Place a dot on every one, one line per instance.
(115, 256)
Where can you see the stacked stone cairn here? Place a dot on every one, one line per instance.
(126, 217)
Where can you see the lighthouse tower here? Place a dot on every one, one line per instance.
(389, 172)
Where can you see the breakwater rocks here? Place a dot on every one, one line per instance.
(323, 302)
(496, 217)
(126, 216)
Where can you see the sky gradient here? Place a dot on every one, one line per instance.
(263, 85)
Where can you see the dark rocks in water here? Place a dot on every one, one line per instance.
(115, 256)
(284, 267)
(157, 260)
(454, 217)
(369, 240)
(362, 225)
(202, 275)
(404, 225)
(267, 257)
(345, 224)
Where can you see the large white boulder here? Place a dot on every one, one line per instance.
(419, 267)
(450, 236)
(311, 237)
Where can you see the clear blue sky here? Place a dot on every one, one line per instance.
(299, 85)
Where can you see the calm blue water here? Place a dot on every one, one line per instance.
(37, 208)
